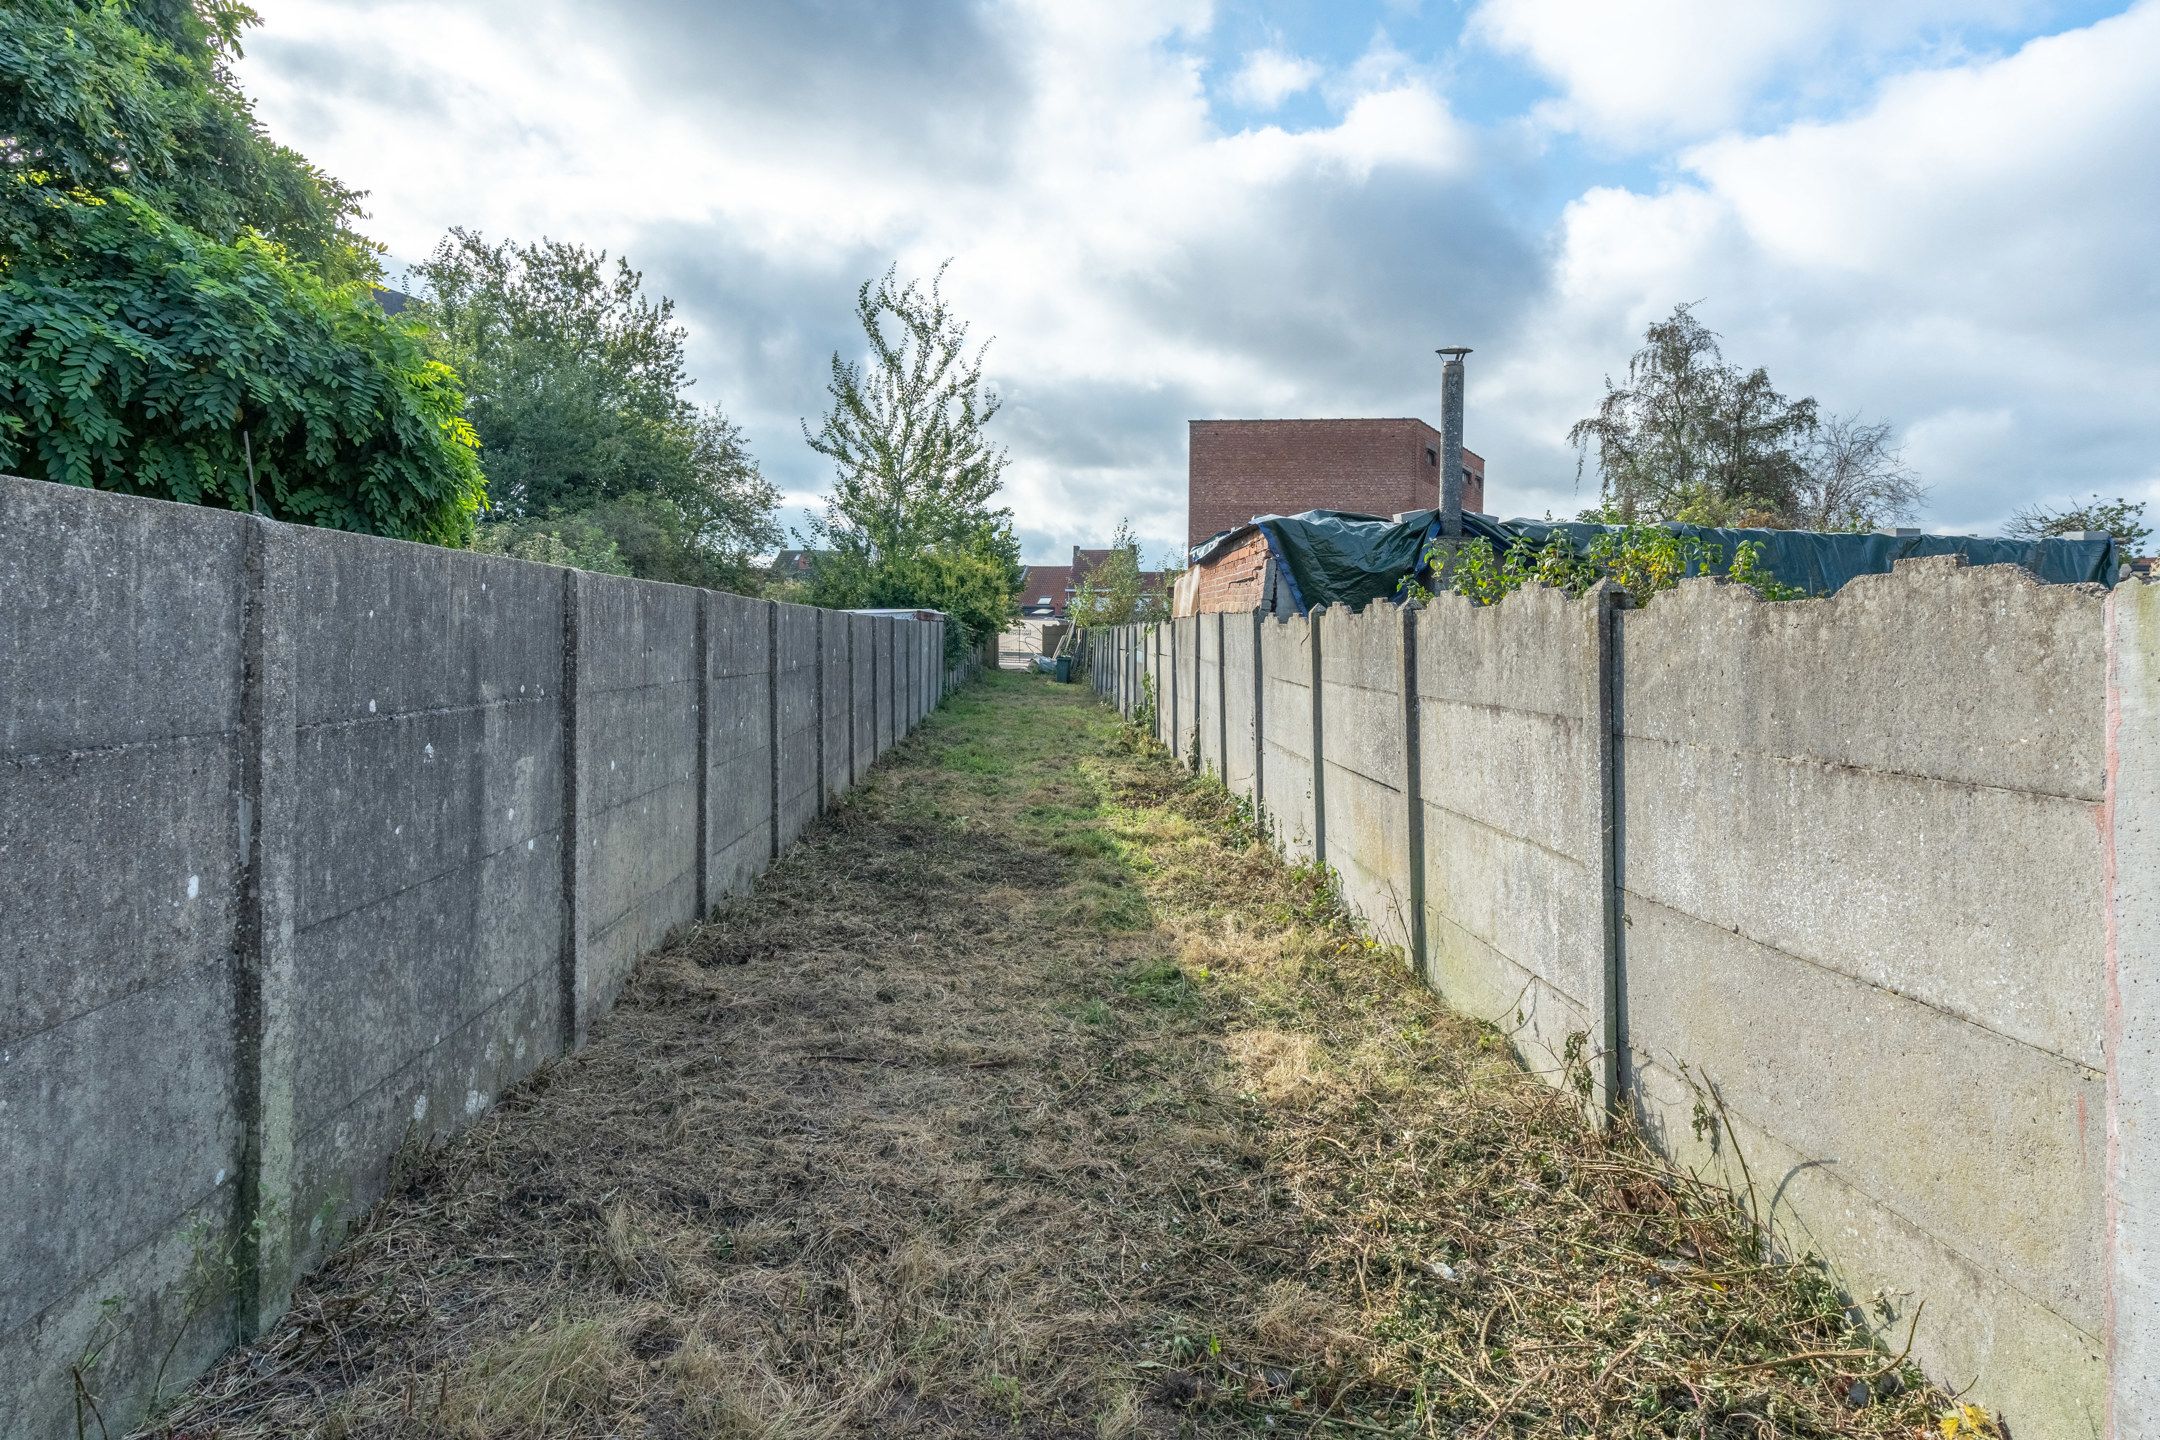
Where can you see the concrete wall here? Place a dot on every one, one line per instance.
(1241, 703)
(1209, 708)
(1288, 774)
(315, 842)
(1866, 880)
(1512, 842)
(1364, 759)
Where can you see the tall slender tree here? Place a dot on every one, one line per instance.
(913, 518)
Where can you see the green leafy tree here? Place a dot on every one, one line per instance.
(577, 382)
(2124, 519)
(913, 518)
(139, 355)
(1113, 593)
(1688, 437)
(101, 95)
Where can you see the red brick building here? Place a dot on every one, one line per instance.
(1239, 469)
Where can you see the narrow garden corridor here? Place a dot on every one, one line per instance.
(1032, 1095)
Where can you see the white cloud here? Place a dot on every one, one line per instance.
(1656, 70)
(1965, 253)
(1968, 257)
(1269, 77)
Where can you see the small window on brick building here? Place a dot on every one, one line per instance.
(1432, 455)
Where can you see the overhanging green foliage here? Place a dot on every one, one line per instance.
(140, 356)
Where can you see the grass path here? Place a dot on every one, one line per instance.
(1031, 1096)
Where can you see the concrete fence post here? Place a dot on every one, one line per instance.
(2130, 981)
(577, 862)
(1222, 697)
(824, 786)
(1319, 754)
(772, 721)
(1176, 736)
(1413, 791)
(264, 1008)
(854, 751)
(703, 704)
(1259, 704)
(1609, 1077)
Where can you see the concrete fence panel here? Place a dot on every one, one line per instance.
(739, 745)
(863, 633)
(1290, 772)
(129, 765)
(1363, 753)
(1241, 704)
(835, 754)
(796, 668)
(1510, 795)
(428, 833)
(637, 774)
(1207, 721)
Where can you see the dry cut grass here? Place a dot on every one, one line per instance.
(1032, 1096)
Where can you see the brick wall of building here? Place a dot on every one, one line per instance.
(1238, 469)
(1233, 579)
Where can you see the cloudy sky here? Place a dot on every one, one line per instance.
(1942, 213)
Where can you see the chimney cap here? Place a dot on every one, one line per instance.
(1453, 352)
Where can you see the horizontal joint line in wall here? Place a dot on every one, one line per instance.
(423, 712)
(588, 692)
(1528, 972)
(1836, 1175)
(614, 922)
(1816, 762)
(160, 1229)
(1628, 895)
(614, 805)
(1443, 702)
(458, 1027)
(1435, 807)
(25, 759)
(217, 964)
(462, 862)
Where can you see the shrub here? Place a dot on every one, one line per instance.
(141, 356)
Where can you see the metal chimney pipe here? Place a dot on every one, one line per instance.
(1451, 462)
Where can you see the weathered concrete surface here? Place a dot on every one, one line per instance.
(1510, 794)
(796, 675)
(1362, 747)
(864, 632)
(1240, 661)
(1208, 698)
(2131, 1010)
(738, 749)
(123, 842)
(283, 814)
(1286, 735)
(1913, 891)
(835, 740)
(637, 714)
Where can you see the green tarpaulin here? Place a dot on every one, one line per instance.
(1333, 557)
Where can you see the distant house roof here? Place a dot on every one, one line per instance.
(797, 562)
(1046, 587)
(393, 302)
